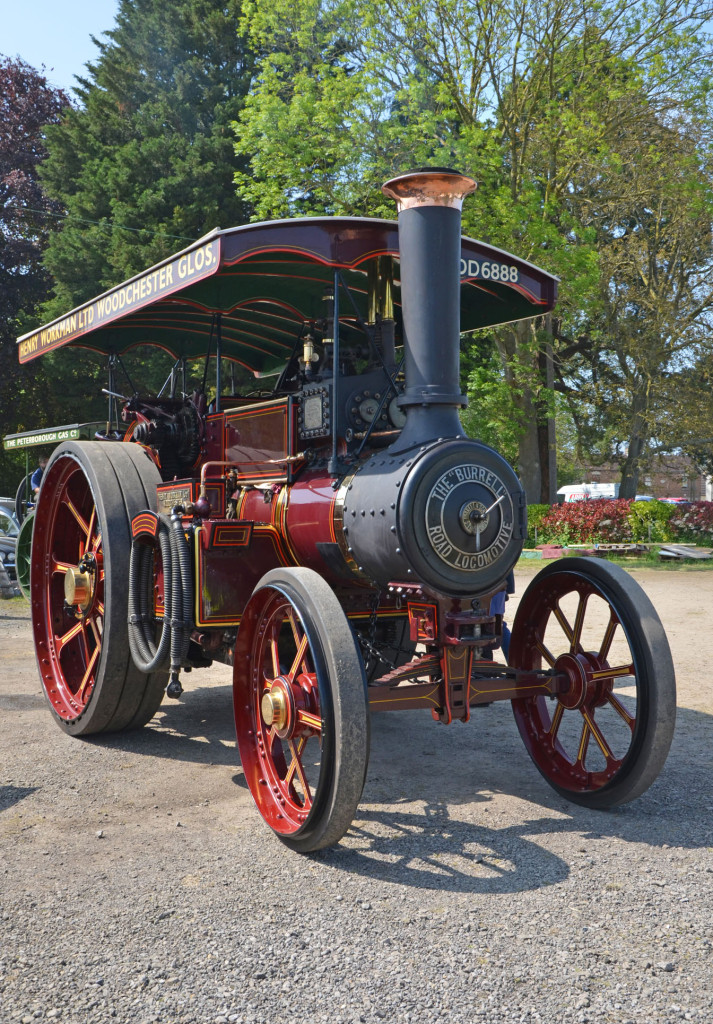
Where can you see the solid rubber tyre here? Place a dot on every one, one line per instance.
(604, 741)
(305, 771)
(90, 492)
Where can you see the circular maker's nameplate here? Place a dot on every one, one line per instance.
(469, 517)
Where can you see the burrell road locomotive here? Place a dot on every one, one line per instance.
(329, 531)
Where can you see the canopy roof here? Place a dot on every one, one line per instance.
(268, 279)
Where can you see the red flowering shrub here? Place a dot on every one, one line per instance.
(693, 523)
(586, 522)
(621, 521)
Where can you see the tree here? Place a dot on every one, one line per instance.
(146, 163)
(652, 216)
(322, 128)
(540, 91)
(523, 95)
(27, 105)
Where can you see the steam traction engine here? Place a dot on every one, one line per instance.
(332, 535)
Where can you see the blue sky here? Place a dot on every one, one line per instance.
(55, 33)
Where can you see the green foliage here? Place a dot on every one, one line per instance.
(547, 106)
(146, 163)
(651, 521)
(614, 521)
(535, 515)
(330, 116)
(27, 105)
(487, 417)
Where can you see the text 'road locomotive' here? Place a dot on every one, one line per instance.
(333, 535)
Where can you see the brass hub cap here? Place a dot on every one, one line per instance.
(78, 588)
(275, 707)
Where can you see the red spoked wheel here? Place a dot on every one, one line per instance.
(79, 587)
(300, 709)
(605, 739)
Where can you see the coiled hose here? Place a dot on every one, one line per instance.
(150, 655)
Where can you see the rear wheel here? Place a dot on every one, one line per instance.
(24, 498)
(300, 709)
(603, 741)
(79, 587)
(23, 554)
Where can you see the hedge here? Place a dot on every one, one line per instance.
(620, 521)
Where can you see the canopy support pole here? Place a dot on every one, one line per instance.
(218, 360)
(333, 467)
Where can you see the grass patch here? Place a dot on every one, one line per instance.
(649, 560)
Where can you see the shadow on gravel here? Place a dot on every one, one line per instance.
(424, 820)
(11, 795)
(433, 851)
(199, 729)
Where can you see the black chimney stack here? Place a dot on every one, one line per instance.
(429, 203)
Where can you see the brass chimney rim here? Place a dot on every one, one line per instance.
(429, 186)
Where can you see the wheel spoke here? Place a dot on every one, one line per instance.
(583, 742)
(599, 737)
(90, 530)
(87, 678)
(575, 643)
(293, 762)
(275, 653)
(83, 524)
(556, 720)
(608, 636)
(562, 619)
(309, 720)
(296, 766)
(94, 626)
(62, 641)
(613, 673)
(85, 641)
(58, 566)
(621, 710)
(293, 623)
(299, 657)
(546, 654)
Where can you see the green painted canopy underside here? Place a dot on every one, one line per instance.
(267, 281)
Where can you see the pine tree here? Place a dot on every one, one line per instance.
(145, 164)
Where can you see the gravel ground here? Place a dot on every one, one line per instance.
(137, 882)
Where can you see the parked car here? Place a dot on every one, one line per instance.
(9, 529)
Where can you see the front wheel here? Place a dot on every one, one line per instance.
(301, 712)
(605, 739)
